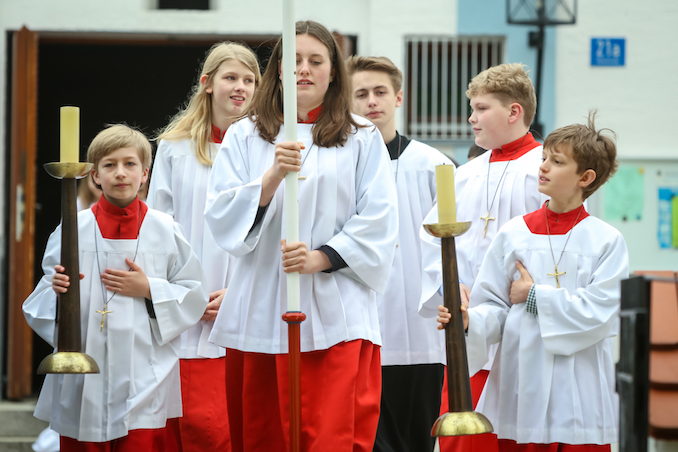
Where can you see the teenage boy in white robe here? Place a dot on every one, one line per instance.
(490, 190)
(412, 354)
(135, 264)
(549, 292)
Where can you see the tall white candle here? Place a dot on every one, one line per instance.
(291, 202)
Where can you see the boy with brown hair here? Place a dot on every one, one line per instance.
(412, 353)
(490, 190)
(141, 288)
(549, 291)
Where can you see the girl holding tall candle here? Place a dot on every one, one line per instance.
(347, 230)
(188, 145)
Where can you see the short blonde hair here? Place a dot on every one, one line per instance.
(378, 64)
(590, 148)
(118, 136)
(509, 83)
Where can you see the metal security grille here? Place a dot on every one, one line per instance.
(439, 69)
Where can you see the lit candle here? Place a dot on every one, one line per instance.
(70, 134)
(447, 209)
(291, 201)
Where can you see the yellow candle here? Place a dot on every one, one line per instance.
(447, 208)
(70, 134)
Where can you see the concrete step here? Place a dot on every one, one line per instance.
(18, 428)
(18, 444)
(17, 421)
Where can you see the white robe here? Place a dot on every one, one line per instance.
(553, 376)
(139, 385)
(179, 188)
(517, 196)
(347, 202)
(409, 338)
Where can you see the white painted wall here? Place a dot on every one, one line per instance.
(638, 101)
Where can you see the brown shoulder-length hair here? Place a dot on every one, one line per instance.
(335, 122)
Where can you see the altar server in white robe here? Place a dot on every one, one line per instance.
(181, 169)
(489, 190)
(412, 353)
(348, 227)
(141, 288)
(548, 292)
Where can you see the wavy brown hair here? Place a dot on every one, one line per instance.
(335, 122)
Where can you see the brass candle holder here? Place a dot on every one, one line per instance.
(461, 420)
(69, 359)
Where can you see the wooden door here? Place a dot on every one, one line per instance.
(23, 132)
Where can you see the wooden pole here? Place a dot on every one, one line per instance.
(68, 309)
(458, 383)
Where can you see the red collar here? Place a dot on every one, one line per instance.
(312, 116)
(514, 149)
(559, 223)
(217, 134)
(119, 222)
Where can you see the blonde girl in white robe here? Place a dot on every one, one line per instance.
(183, 163)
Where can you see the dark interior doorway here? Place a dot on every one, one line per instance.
(140, 81)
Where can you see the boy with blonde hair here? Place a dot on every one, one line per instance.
(549, 291)
(140, 271)
(490, 190)
(412, 352)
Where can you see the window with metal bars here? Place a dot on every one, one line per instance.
(439, 69)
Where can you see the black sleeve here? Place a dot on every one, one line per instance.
(261, 211)
(149, 308)
(335, 259)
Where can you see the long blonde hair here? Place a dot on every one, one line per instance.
(195, 120)
(335, 122)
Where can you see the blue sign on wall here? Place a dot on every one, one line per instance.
(608, 51)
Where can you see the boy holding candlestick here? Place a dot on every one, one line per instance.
(141, 288)
(549, 290)
(490, 190)
(412, 353)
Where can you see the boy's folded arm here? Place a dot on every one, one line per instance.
(179, 301)
(571, 322)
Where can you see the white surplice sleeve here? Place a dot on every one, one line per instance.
(40, 306)
(180, 300)
(489, 307)
(571, 322)
(368, 239)
(431, 267)
(233, 198)
(160, 190)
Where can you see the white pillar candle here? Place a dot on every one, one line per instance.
(291, 202)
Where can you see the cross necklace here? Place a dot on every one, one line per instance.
(304, 160)
(487, 218)
(105, 310)
(556, 273)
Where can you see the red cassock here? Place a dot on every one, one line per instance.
(341, 389)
